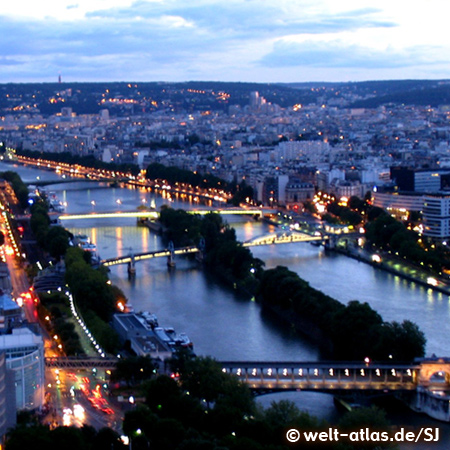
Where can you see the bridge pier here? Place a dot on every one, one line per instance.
(171, 257)
(131, 267)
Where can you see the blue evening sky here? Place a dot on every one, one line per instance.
(227, 40)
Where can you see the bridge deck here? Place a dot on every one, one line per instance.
(324, 375)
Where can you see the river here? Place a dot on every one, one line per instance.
(219, 322)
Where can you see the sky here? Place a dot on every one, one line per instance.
(265, 41)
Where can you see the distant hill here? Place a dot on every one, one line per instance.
(90, 98)
(425, 93)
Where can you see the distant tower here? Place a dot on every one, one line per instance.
(59, 79)
(254, 99)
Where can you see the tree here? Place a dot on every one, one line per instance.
(401, 342)
(361, 418)
(355, 331)
(133, 370)
(57, 241)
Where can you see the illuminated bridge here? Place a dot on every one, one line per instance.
(284, 238)
(340, 376)
(131, 259)
(155, 214)
(269, 239)
(328, 376)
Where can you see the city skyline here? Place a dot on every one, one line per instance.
(159, 40)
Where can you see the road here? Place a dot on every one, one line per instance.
(71, 398)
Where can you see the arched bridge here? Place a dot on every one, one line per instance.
(285, 238)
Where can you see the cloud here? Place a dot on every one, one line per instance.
(201, 39)
(250, 18)
(339, 54)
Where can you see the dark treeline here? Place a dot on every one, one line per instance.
(52, 239)
(355, 331)
(202, 409)
(54, 313)
(94, 296)
(174, 175)
(386, 233)
(224, 255)
(19, 187)
(85, 161)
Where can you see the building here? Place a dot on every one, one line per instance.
(298, 193)
(10, 313)
(420, 180)
(24, 352)
(7, 401)
(436, 216)
(399, 205)
(141, 338)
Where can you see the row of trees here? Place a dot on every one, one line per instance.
(203, 409)
(53, 239)
(95, 297)
(41, 437)
(241, 191)
(85, 161)
(19, 187)
(355, 330)
(387, 233)
(54, 312)
(223, 254)
(207, 409)
(93, 294)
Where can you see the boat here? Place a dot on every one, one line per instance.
(83, 241)
(170, 337)
(149, 318)
(89, 246)
(56, 205)
(80, 239)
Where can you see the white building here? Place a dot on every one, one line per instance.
(436, 216)
(24, 353)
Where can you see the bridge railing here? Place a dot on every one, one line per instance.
(324, 376)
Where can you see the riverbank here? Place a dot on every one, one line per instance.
(399, 267)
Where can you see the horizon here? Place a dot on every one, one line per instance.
(294, 41)
(62, 82)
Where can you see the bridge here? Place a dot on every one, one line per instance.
(130, 259)
(270, 239)
(285, 238)
(153, 215)
(325, 376)
(335, 376)
(75, 363)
